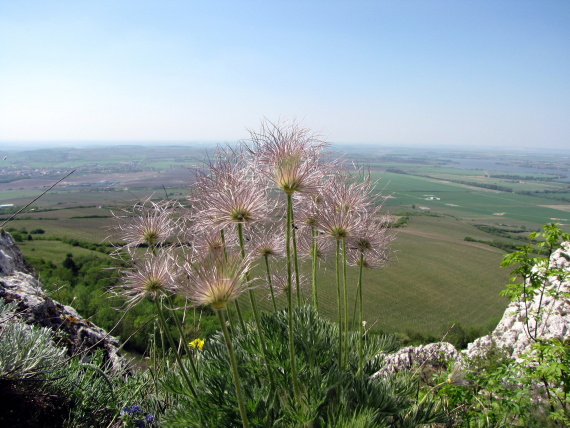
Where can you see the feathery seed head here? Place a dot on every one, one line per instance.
(230, 194)
(346, 204)
(349, 193)
(244, 203)
(149, 276)
(371, 240)
(281, 286)
(216, 280)
(267, 240)
(288, 155)
(147, 223)
(307, 207)
(209, 238)
(305, 240)
(337, 224)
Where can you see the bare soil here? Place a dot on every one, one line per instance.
(174, 177)
(22, 405)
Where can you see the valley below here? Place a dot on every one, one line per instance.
(454, 220)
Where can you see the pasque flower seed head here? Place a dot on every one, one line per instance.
(146, 223)
(288, 155)
(216, 279)
(148, 277)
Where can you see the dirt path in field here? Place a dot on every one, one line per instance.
(448, 239)
(557, 207)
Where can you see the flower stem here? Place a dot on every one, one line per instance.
(345, 291)
(184, 344)
(233, 364)
(360, 318)
(223, 238)
(339, 302)
(296, 389)
(238, 310)
(256, 313)
(164, 326)
(295, 258)
(270, 282)
(314, 234)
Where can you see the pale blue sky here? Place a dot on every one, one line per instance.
(448, 72)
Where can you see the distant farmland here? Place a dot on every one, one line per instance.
(436, 277)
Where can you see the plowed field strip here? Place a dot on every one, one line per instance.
(447, 238)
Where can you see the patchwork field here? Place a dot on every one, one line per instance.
(435, 277)
(467, 202)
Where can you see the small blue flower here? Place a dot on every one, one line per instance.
(139, 423)
(136, 408)
(149, 418)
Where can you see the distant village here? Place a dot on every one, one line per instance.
(13, 173)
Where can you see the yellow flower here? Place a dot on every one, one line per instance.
(197, 343)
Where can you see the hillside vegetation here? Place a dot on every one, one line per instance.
(306, 347)
(432, 261)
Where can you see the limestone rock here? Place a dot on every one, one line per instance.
(433, 355)
(512, 332)
(17, 284)
(11, 258)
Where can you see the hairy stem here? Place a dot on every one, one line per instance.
(296, 389)
(256, 313)
(315, 249)
(345, 295)
(360, 319)
(233, 364)
(164, 326)
(270, 282)
(339, 302)
(184, 344)
(238, 310)
(295, 258)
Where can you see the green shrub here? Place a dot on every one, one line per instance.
(17, 236)
(330, 394)
(77, 392)
(535, 390)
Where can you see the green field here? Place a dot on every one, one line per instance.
(54, 251)
(435, 277)
(469, 203)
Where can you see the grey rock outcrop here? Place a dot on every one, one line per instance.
(512, 332)
(17, 284)
(434, 355)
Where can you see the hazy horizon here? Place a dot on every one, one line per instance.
(410, 73)
(15, 147)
